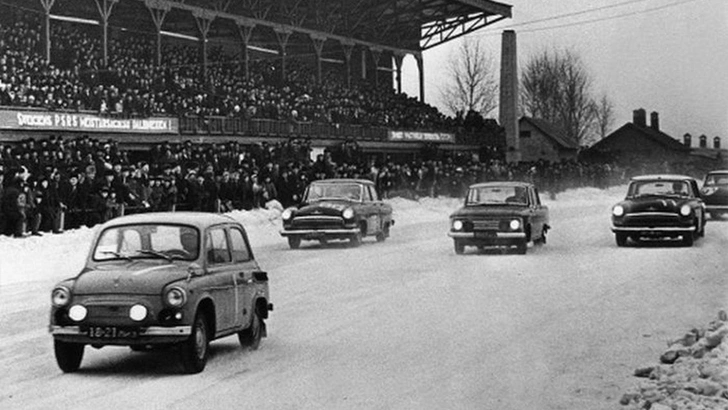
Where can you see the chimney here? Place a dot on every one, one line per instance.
(639, 117)
(655, 121)
(508, 106)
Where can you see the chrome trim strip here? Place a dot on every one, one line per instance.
(638, 214)
(317, 218)
(300, 232)
(645, 229)
(716, 207)
(498, 235)
(150, 331)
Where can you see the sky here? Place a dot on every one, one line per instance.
(668, 56)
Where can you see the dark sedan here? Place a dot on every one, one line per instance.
(500, 214)
(660, 207)
(715, 193)
(348, 209)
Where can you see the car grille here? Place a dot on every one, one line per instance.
(318, 222)
(486, 225)
(652, 219)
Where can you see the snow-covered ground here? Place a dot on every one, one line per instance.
(404, 324)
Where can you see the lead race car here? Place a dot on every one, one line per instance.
(660, 207)
(153, 280)
(348, 209)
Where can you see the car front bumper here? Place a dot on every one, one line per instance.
(143, 335)
(654, 231)
(320, 233)
(716, 208)
(488, 238)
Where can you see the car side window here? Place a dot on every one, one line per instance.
(241, 253)
(217, 250)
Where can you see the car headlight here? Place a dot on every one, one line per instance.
(138, 313)
(618, 210)
(457, 225)
(77, 313)
(685, 210)
(709, 191)
(514, 224)
(287, 214)
(348, 213)
(175, 297)
(60, 296)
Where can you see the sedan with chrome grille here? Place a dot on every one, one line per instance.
(660, 207)
(348, 209)
(500, 214)
(176, 280)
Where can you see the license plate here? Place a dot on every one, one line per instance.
(111, 332)
(485, 234)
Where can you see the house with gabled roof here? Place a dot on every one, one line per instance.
(636, 143)
(540, 140)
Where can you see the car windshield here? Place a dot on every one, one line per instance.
(155, 241)
(660, 188)
(497, 195)
(317, 192)
(716, 179)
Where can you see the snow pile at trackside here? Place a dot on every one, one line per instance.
(692, 374)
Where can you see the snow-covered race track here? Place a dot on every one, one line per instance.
(404, 324)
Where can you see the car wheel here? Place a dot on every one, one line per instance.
(688, 239)
(459, 247)
(522, 248)
(68, 355)
(194, 351)
(294, 242)
(621, 239)
(356, 239)
(381, 236)
(715, 215)
(250, 337)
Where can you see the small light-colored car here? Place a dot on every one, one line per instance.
(175, 280)
(659, 207)
(348, 209)
(715, 193)
(500, 214)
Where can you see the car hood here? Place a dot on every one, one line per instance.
(136, 277)
(486, 211)
(332, 208)
(654, 204)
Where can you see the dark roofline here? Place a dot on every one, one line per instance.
(543, 126)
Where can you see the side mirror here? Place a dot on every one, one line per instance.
(260, 276)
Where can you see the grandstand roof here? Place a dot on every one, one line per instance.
(394, 25)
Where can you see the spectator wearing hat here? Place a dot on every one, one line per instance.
(13, 205)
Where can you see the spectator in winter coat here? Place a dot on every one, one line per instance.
(13, 206)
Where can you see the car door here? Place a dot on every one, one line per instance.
(384, 211)
(538, 211)
(370, 210)
(222, 277)
(245, 268)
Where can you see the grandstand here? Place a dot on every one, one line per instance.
(143, 71)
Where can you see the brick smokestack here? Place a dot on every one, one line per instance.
(639, 117)
(508, 106)
(655, 121)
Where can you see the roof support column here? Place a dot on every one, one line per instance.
(318, 45)
(377, 56)
(47, 5)
(398, 59)
(245, 29)
(283, 34)
(204, 19)
(348, 47)
(421, 69)
(158, 9)
(105, 7)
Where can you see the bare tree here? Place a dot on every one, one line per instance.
(471, 84)
(603, 115)
(556, 87)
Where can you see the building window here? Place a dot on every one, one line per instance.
(716, 142)
(687, 140)
(525, 134)
(703, 141)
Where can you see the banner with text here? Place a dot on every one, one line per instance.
(421, 136)
(51, 121)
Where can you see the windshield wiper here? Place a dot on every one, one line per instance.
(156, 253)
(117, 254)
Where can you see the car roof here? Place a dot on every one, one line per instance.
(501, 183)
(670, 177)
(343, 181)
(197, 219)
(718, 171)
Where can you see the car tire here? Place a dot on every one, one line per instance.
(250, 337)
(522, 248)
(716, 215)
(68, 355)
(621, 239)
(459, 247)
(688, 240)
(356, 239)
(294, 242)
(195, 350)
